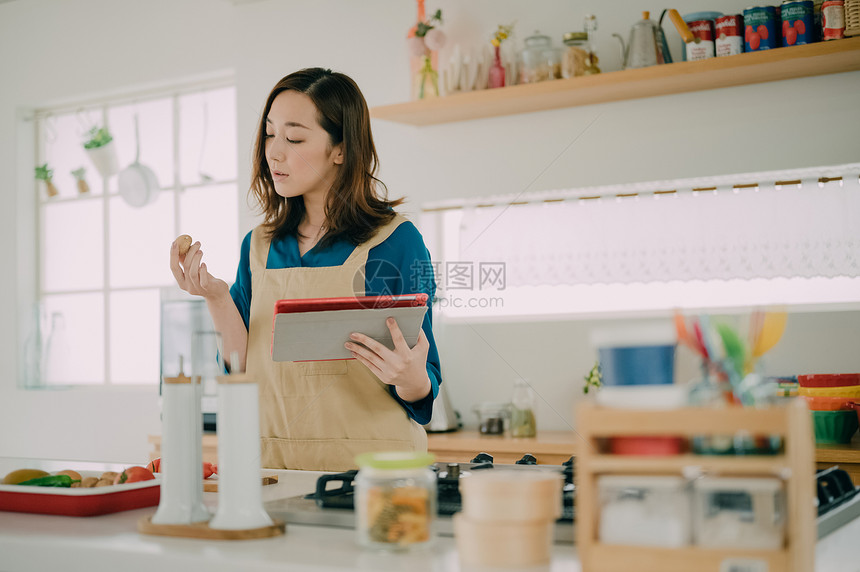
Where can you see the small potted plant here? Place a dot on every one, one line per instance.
(43, 173)
(102, 152)
(83, 187)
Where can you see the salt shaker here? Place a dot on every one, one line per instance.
(181, 466)
(240, 496)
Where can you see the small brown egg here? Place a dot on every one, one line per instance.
(183, 243)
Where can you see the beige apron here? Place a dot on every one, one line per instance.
(319, 415)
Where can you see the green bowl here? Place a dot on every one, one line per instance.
(834, 426)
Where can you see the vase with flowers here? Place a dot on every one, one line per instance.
(497, 70)
(424, 40)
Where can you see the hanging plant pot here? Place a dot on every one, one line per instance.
(102, 151)
(104, 159)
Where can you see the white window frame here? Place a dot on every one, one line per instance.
(31, 200)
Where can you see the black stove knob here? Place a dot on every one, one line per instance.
(483, 458)
(527, 460)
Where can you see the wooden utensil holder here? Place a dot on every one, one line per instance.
(795, 466)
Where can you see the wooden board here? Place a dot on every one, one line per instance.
(211, 485)
(202, 530)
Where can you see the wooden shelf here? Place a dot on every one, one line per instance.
(614, 558)
(728, 465)
(792, 422)
(681, 77)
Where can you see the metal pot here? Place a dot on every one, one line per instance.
(138, 185)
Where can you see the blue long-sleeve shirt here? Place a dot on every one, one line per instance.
(399, 265)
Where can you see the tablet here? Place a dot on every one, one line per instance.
(316, 329)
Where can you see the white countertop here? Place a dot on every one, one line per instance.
(111, 542)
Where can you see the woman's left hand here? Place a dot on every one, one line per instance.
(402, 367)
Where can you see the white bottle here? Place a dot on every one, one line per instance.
(240, 488)
(181, 455)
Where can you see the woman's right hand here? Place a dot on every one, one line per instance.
(192, 275)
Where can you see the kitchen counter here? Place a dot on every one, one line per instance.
(31, 542)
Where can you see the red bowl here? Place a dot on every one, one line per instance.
(646, 445)
(829, 380)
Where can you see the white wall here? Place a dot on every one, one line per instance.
(53, 50)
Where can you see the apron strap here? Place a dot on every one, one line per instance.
(359, 255)
(259, 251)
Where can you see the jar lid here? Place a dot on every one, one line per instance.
(394, 460)
(538, 39)
(572, 37)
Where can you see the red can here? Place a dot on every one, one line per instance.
(729, 32)
(702, 46)
(833, 20)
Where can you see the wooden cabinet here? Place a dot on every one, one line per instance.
(679, 77)
(795, 467)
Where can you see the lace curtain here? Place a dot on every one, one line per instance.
(799, 223)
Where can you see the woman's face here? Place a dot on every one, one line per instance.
(298, 151)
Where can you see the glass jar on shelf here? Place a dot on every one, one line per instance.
(574, 63)
(523, 403)
(534, 63)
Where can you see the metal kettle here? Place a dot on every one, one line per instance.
(644, 46)
(443, 418)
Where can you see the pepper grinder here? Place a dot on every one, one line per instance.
(181, 499)
(240, 495)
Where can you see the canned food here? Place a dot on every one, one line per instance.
(760, 29)
(797, 22)
(729, 40)
(702, 46)
(833, 20)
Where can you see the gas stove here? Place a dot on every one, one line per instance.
(332, 503)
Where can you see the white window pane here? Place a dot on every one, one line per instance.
(73, 346)
(134, 336)
(155, 118)
(207, 136)
(63, 150)
(140, 240)
(210, 215)
(72, 251)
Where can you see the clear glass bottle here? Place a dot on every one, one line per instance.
(395, 500)
(590, 25)
(576, 56)
(523, 422)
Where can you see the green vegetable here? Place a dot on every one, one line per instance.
(99, 137)
(51, 481)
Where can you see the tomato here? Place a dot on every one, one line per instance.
(747, 31)
(800, 27)
(133, 475)
(155, 465)
(209, 469)
(755, 41)
(762, 31)
(785, 27)
(791, 36)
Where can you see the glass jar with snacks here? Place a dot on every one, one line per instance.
(395, 500)
(534, 65)
(575, 60)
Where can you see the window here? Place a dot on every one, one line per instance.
(723, 243)
(102, 261)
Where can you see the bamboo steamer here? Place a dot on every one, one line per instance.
(508, 544)
(512, 496)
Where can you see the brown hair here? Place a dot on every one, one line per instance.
(355, 209)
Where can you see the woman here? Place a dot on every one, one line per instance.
(327, 232)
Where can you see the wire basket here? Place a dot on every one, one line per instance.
(852, 18)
